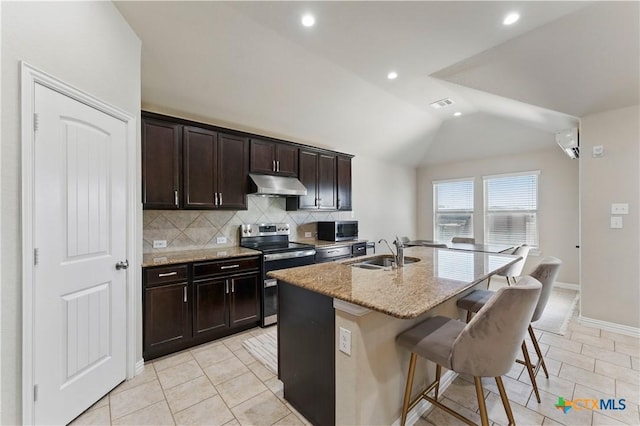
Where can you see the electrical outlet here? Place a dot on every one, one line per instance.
(616, 222)
(307, 234)
(221, 240)
(159, 243)
(345, 341)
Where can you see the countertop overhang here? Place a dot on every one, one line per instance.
(406, 292)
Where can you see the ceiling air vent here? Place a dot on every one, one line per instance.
(442, 103)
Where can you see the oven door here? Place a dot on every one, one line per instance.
(270, 286)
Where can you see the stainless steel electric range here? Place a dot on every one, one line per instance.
(272, 239)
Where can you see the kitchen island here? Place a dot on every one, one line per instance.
(329, 386)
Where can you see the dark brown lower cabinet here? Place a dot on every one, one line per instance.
(167, 326)
(189, 304)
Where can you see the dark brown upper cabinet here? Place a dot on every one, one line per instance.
(343, 164)
(273, 158)
(161, 164)
(318, 174)
(215, 170)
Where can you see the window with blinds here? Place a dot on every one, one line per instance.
(453, 209)
(511, 209)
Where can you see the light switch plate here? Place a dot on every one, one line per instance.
(221, 240)
(616, 222)
(307, 234)
(619, 208)
(159, 243)
(345, 341)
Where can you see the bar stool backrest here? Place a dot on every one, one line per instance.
(489, 344)
(546, 272)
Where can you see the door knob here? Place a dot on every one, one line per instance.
(122, 265)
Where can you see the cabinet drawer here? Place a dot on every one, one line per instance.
(226, 267)
(165, 274)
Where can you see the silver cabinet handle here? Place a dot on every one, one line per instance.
(278, 166)
(219, 198)
(230, 267)
(168, 274)
(226, 287)
(233, 286)
(175, 197)
(273, 166)
(122, 265)
(184, 293)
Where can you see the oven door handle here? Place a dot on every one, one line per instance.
(289, 255)
(270, 283)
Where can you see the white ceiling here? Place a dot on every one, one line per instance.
(251, 65)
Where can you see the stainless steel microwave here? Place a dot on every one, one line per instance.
(339, 230)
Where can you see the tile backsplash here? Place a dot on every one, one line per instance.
(197, 229)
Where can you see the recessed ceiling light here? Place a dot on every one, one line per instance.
(457, 114)
(308, 20)
(392, 75)
(511, 18)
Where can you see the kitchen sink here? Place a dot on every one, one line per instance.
(380, 262)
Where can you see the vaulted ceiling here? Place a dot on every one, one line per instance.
(252, 65)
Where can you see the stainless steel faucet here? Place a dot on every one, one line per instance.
(399, 255)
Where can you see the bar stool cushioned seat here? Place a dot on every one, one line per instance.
(484, 347)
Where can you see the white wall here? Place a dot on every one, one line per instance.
(610, 257)
(91, 47)
(557, 204)
(384, 199)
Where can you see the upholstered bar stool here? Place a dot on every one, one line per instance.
(484, 347)
(465, 240)
(546, 272)
(515, 269)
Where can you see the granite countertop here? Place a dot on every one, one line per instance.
(327, 244)
(185, 256)
(406, 292)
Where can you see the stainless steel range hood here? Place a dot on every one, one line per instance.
(276, 185)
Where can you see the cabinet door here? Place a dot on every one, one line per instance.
(327, 182)
(210, 307)
(167, 325)
(287, 158)
(200, 154)
(308, 176)
(263, 157)
(245, 300)
(233, 163)
(344, 182)
(160, 164)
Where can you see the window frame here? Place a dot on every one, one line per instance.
(535, 248)
(471, 212)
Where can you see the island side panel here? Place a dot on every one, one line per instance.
(306, 345)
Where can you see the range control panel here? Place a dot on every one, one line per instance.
(263, 229)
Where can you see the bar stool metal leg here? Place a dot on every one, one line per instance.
(480, 395)
(505, 401)
(532, 376)
(407, 390)
(534, 339)
(438, 374)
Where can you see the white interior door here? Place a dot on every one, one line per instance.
(80, 233)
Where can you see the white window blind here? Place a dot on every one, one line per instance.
(453, 209)
(511, 209)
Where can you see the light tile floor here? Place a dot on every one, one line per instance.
(220, 383)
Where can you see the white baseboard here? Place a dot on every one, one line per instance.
(423, 406)
(568, 286)
(610, 326)
(139, 366)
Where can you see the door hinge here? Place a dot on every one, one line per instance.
(35, 121)
(36, 256)
(35, 393)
